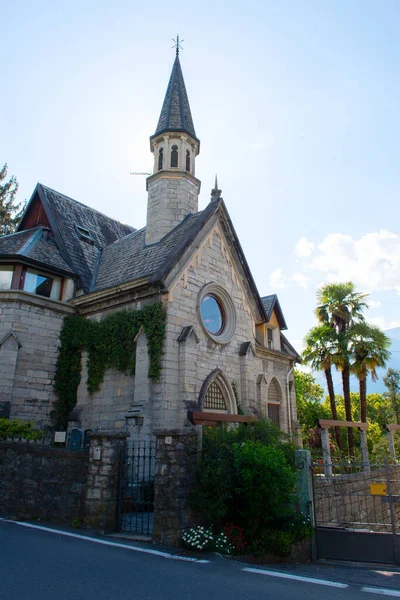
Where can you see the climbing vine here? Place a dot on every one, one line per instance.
(110, 343)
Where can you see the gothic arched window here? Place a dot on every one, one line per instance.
(274, 402)
(187, 160)
(214, 399)
(174, 156)
(160, 158)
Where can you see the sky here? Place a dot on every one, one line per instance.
(296, 104)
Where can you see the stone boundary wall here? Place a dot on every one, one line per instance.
(346, 500)
(42, 483)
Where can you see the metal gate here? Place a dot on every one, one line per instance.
(136, 497)
(357, 511)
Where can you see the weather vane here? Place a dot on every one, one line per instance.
(177, 44)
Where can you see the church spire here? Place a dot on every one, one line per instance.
(175, 114)
(173, 188)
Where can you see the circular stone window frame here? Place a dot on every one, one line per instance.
(228, 308)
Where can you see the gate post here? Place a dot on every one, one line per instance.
(326, 452)
(304, 483)
(364, 450)
(176, 461)
(101, 497)
(392, 449)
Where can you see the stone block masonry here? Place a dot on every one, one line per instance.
(42, 483)
(176, 460)
(29, 333)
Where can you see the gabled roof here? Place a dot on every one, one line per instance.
(175, 113)
(64, 215)
(271, 303)
(129, 259)
(34, 247)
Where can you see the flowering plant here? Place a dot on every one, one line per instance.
(202, 538)
(199, 538)
(235, 537)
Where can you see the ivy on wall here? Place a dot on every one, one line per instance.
(110, 344)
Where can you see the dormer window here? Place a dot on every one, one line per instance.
(85, 234)
(187, 160)
(174, 156)
(160, 158)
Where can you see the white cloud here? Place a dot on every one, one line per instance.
(371, 262)
(374, 303)
(301, 280)
(304, 248)
(384, 323)
(278, 279)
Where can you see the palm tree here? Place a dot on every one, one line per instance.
(319, 354)
(369, 348)
(340, 306)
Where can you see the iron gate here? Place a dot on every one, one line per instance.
(136, 497)
(357, 511)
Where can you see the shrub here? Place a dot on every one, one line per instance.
(23, 430)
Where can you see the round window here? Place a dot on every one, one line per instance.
(212, 314)
(217, 313)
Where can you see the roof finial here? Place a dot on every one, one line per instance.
(216, 193)
(177, 44)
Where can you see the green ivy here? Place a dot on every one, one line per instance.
(110, 344)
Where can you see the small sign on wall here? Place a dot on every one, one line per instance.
(60, 437)
(97, 453)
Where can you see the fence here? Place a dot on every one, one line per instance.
(357, 511)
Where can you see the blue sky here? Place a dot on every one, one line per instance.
(295, 103)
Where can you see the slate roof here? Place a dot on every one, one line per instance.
(64, 215)
(287, 348)
(129, 259)
(34, 246)
(271, 303)
(175, 113)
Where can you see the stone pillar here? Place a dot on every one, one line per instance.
(304, 482)
(392, 449)
(101, 495)
(326, 452)
(176, 460)
(364, 450)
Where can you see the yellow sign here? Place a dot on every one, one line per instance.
(378, 489)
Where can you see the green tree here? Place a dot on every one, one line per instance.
(340, 306)
(319, 353)
(310, 408)
(10, 211)
(392, 383)
(369, 348)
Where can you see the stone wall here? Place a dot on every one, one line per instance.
(29, 332)
(346, 500)
(176, 461)
(40, 482)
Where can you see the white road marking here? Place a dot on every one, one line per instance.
(107, 543)
(382, 591)
(297, 578)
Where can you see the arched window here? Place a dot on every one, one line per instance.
(214, 399)
(274, 402)
(160, 158)
(174, 156)
(187, 160)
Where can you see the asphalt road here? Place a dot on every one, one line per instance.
(39, 565)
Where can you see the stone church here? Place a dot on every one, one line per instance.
(224, 351)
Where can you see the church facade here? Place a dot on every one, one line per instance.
(224, 351)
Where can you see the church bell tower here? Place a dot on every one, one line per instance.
(173, 189)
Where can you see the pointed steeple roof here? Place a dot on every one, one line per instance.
(175, 113)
